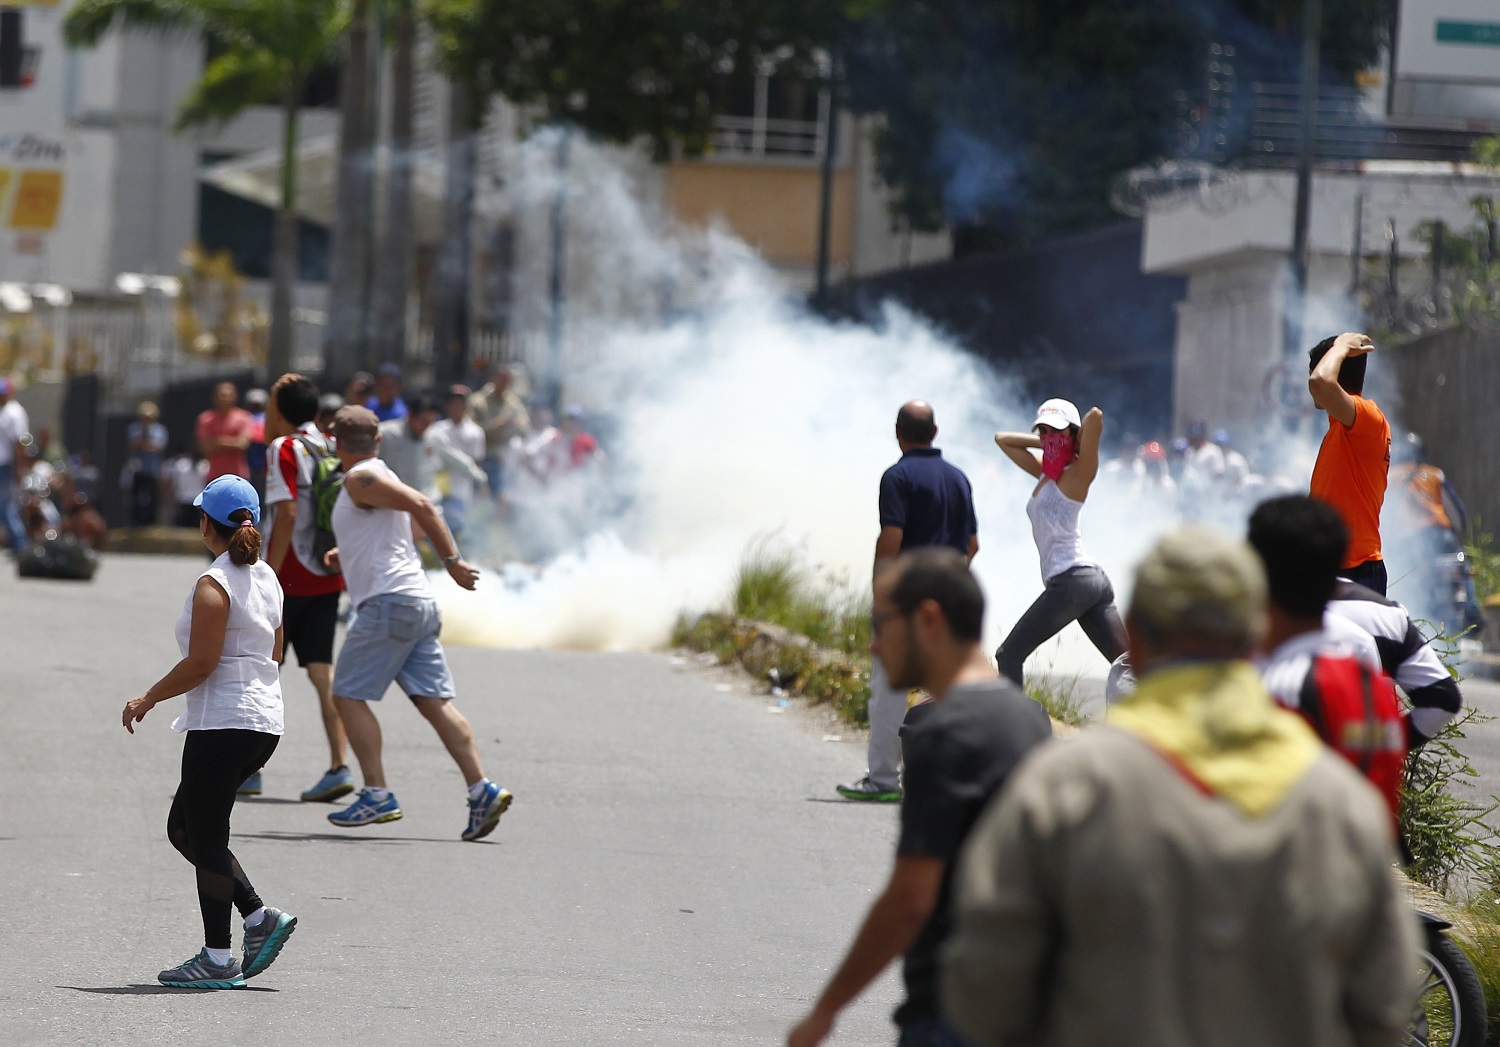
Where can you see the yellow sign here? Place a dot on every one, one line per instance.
(7, 176)
(38, 200)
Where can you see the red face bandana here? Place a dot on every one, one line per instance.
(1057, 454)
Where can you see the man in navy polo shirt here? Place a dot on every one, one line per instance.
(924, 501)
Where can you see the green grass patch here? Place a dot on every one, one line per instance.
(774, 584)
(1059, 696)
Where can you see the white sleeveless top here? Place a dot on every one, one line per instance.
(1054, 525)
(245, 690)
(376, 550)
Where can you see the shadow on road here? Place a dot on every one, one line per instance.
(288, 837)
(270, 800)
(158, 990)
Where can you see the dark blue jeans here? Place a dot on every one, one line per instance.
(931, 1032)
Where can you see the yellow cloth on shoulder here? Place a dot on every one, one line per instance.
(1219, 722)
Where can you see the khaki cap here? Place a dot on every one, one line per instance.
(355, 427)
(1201, 584)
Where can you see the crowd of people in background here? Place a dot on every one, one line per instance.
(483, 451)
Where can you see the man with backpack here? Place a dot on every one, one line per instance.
(1308, 668)
(302, 484)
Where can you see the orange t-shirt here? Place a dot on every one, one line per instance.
(1351, 473)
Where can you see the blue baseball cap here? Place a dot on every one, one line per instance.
(226, 495)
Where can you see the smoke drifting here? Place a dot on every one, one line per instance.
(734, 414)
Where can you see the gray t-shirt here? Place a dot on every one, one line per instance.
(958, 753)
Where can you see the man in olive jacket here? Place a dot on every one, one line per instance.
(1199, 872)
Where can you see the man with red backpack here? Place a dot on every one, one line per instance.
(1328, 676)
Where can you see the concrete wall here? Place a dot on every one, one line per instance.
(1448, 383)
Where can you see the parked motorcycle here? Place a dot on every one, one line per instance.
(1450, 1009)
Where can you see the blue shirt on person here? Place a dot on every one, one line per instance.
(930, 500)
(387, 412)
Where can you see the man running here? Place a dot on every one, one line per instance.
(394, 636)
(310, 616)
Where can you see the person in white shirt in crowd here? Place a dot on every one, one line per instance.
(1236, 465)
(463, 434)
(185, 476)
(416, 454)
(394, 635)
(230, 637)
(14, 426)
(312, 590)
(1202, 470)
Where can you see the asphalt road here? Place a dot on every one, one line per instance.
(671, 872)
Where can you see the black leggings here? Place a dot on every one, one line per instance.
(214, 763)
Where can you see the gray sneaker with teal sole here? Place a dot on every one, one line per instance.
(264, 941)
(202, 973)
(870, 792)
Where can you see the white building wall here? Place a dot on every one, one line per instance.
(1232, 241)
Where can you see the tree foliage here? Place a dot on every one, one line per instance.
(1009, 118)
(624, 69)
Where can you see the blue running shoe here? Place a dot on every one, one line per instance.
(366, 810)
(337, 782)
(250, 786)
(202, 973)
(264, 941)
(485, 812)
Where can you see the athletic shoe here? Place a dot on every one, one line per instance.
(337, 782)
(485, 812)
(264, 941)
(366, 810)
(250, 786)
(864, 789)
(202, 973)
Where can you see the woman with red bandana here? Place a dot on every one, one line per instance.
(1077, 589)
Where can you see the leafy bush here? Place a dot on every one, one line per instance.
(1450, 843)
(1484, 559)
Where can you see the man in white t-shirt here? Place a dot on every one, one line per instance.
(463, 434)
(394, 635)
(14, 425)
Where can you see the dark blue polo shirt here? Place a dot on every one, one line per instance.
(930, 500)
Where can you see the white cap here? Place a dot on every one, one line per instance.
(1059, 414)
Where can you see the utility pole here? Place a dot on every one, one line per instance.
(825, 208)
(557, 276)
(1295, 307)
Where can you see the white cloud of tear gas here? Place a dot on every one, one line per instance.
(741, 415)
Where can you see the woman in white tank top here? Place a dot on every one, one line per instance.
(230, 638)
(1062, 452)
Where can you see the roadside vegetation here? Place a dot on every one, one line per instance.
(809, 628)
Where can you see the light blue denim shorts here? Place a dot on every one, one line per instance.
(393, 639)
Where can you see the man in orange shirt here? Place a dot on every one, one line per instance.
(1355, 457)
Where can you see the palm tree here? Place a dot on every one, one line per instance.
(393, 264)
(345, 338)
(266, 52)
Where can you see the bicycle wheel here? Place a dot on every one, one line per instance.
(1450, 1008)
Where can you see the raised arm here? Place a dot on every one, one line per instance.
(1323, 383)
(371, 490)
(1018, 447)
(1080, 475)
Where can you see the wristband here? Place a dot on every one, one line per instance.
(449, 561)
